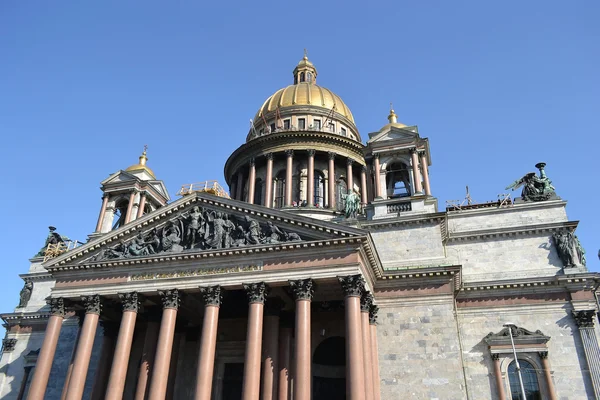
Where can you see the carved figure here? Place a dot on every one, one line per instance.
(138, 246)
(564, 245)
(352, 204)
(52, 238)
(580, 251)
(218, 224)
(534, 188)
(273, 234)
(254, 231)
(118, 251)
(195, 228)
(153, 241)
(171, 238)
(25, 294)
(238, 237)
(292, 237)
(228, 227)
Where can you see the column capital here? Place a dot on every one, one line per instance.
(269, 156)
(57, 306)
(363, 169)
(302, 289)
(352, 285)
(92, 304)
(171, 298)
(252, 162)
(349, 161)
(366, 301)
(495, 356)
(311, 152)
(373, 310)
(584, 318)
(422, 153)
(289, 153)
(331, 155)
(414, 150)
(543, 355)
(376, 156)
(211, 295)
(256, 292)
(131, 301)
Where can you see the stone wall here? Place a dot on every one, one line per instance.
(419, 353)
(12, 363)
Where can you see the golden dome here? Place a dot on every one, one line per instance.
(142, 164)
(304, 94)
(393, 120)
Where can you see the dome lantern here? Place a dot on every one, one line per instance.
(305, 71)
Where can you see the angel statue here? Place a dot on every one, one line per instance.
(534, 188)
(352, 204)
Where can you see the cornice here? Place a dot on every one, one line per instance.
(37, 317)
(506, 209)
(411, 277)
(394, 221)
(36, 276)
(510, 231)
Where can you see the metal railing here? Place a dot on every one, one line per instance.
(56, 249)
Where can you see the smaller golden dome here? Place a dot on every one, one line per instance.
(141, 166)
(393, 118)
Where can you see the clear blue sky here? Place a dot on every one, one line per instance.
(495, 86)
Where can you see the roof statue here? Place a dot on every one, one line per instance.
(535, 188)
(352, 205)
(52, 239)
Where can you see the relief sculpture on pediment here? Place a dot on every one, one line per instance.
(199, 229)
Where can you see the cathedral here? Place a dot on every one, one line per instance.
(326, 271)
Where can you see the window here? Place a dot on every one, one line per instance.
(301, 76)
(279, 184)
(258, 188)
(319, 189)
(309, 77)
(530, 381)
(301, 123)
(397, 180)
(286, 124)
(343, 131)
(317, 124)
(331, 127)
(272, 127)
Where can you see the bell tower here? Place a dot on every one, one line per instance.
(129, 194)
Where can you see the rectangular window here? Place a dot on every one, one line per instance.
(301, 123)
(272, 127)
(317, 124)
(286, 124)
(343, 132)
(331, 127)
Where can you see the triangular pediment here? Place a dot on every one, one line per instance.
(393, 133)
(199, 223)
(119, 177)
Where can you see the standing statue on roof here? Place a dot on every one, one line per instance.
(352, 204)
(535, 188)
(52, 238)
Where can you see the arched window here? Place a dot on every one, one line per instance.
(301, 76)
(258, 189)
(319, 193)
(530, 381)
(397, 180)
(341, 188)
(309, 76)
(279, 185)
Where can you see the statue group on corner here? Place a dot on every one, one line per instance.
(535, 188)
(201, 229)
(53, 238)
(569, 249)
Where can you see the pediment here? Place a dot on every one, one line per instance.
(520, 336)
(202, 223)
(393, 133)
(119, 177)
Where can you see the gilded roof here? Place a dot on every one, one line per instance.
(304, 94)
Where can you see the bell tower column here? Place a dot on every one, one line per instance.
(425, 172)
(363, 185)
(102, 212)
(140, 211)
(130, 206)
(376, 174)
(416, 173)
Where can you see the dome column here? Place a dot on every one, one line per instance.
(331, 179)
(310, 193)
(269, 183)
(251, 181)
(349, 178)
(288, 177)
(416, 173)
(239, 184)
(363, 185)
(377, 176)
(425, 172)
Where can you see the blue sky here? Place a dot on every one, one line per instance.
(495, 86)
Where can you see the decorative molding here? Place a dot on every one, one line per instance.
(331, 155)
(269, 156)
(170, 298)
(521, 336)
(496, 356)
(366, 301)
(211, 295)
(8, 345)
(349, 161)
(311, 152)
(584, 318)
(302, 289)
(289, 153)
(92, 304)
(57, 306)
(252, 162)
(543, 355)
(195, 272)
(131, 301)
(257, 292)
(373, 311)
(352, 285)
